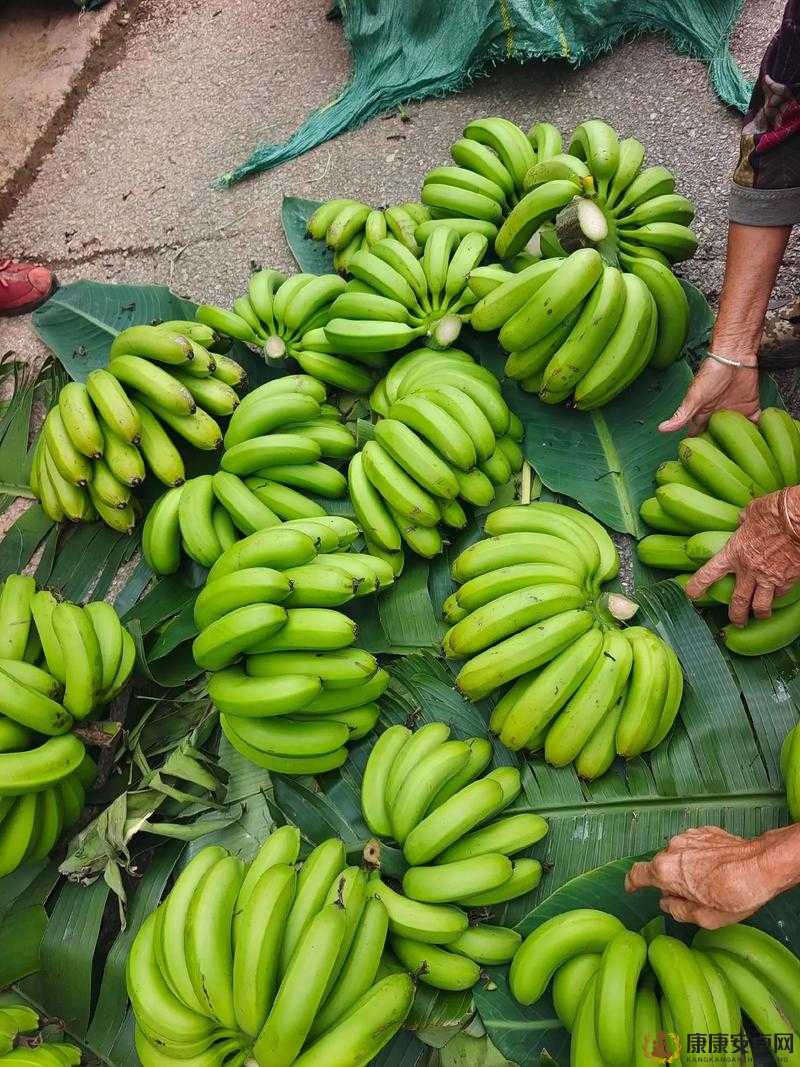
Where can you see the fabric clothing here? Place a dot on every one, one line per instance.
(766, 183)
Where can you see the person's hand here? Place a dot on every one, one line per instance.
(710, 877)
(716, 387)
(764, 554)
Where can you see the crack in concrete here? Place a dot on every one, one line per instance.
(179, 247)
(106, 53)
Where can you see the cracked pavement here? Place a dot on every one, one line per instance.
(126, 191)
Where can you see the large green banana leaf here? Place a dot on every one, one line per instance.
(80, 321)
(312, 256)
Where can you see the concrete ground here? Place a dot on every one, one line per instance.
(135, 109)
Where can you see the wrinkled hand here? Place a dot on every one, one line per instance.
(716, 387)
(764, 554)
(709, 877)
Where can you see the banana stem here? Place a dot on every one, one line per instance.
(275, 348)
(445, 332)
(372, 854)
(580, 222)
(525, 483)
(619, 607)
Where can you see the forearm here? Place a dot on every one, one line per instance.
(753, 259)
(780, 861)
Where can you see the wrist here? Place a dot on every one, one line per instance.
(740, 345)
(736, 364)
(780, 859)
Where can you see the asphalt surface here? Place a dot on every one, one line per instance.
(126, 192)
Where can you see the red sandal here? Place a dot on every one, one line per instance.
(23, 286)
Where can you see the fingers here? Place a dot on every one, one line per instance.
(640, 876)
(742, 598)
(679, 420)
(717, 567)
(685, 911)
(762, 600)
(696, 836)
(679, 908)
(663, 872)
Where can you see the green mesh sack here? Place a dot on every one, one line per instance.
(411, 49)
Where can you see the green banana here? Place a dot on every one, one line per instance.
(591, 332)
(569, 984)
(621, 964)
(113, 405)
(783, 440)
(80, 420)
(432, 924)
(535, 208)
(553, 943)
(558, 297)
(700, 511)
(594, 699)
(452, 819)
(160, 454)
(506, 836)
(742, 441)
(527, 649)
(421, 785)
(33, 770)
(400, 491)
(275, 547)
(237, 694)
(369, 1024)
(323, 865)
(222, 641)
(302, 989)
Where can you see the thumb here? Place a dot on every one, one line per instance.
(716, 568)
(679, 420)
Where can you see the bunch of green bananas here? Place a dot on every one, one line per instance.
(265, 964)
(790, 771)
(59, 663)
(396, 298)
(513, 187)
(98, 441)
(17, 1018)
(350, 226)
(528, 612)
(491, 160)
(424, 790)
(617, 991)
(698, 502)
(285, 316)
(280, 444)
(578, 327)
(302, 692)
(445, 433)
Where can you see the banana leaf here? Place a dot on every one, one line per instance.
(21, 934)
(525, 1033)
(27, 390)
(314, 257)
(79, 322)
